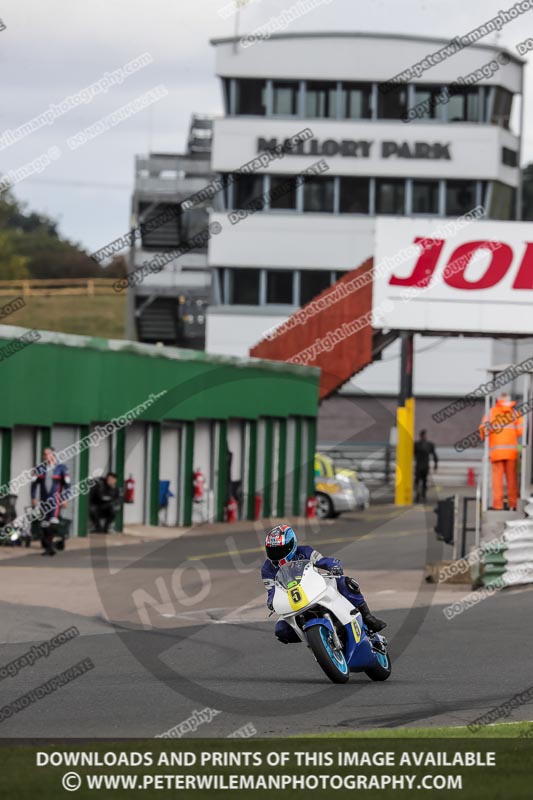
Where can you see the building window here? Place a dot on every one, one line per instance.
(354, 196)
(392, 104)
(355, 101)
(279, 287)
(320, 99)
(312, 282)
(283, 192)
(318, 195)
(509, 157)
(244, 287)
(193, 222)
(425, 197)
(250, 97)
(390, 196)
(425, 101)
(226, 94)
(226, 181)
(463, 105)
(502, 204)
(501, 112)
(246, 189)
(460, 197)
(285, 97)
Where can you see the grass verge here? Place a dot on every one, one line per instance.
(506, 730)
(102, 315)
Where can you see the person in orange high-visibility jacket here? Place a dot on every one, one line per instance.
(504, 428)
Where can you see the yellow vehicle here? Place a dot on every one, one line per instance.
(337, 490)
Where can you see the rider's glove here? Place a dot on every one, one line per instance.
(270, 606)
(337, 570)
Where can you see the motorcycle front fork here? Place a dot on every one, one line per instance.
(335, 636)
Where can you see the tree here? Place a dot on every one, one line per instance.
(32, 247)
(13, 266)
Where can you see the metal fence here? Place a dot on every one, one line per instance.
(44, 287)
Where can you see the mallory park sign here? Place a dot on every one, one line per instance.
(361, 148)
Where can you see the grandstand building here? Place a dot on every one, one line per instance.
(434, 148)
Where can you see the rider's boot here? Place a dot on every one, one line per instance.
(372, 623)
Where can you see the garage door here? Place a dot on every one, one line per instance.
(23, 457)
(135, 466)
(169, 470)
(62, 437)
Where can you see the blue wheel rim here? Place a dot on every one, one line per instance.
(383, 660)
(337, 658)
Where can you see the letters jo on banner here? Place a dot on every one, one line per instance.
(478, 279)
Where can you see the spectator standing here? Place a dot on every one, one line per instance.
(424, 449)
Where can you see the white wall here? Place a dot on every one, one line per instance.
(100, 454)
(235, 438)
(135, 464)
(169, 470)
(308, 241)
(62, 437)
(205, 454)
(203, 451)
(234, 333)
(275, 466)
(260, 473)
(289, 468)
(23, 457)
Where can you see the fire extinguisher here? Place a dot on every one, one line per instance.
(198, 482)
(310, 508)
(231, 510)
(129, 490)
(257, 506)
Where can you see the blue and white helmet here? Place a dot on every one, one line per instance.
(281, 544)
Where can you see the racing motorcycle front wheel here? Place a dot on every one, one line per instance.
(330, 658)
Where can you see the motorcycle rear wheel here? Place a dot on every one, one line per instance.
(332, 662)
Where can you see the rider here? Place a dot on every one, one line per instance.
(51, 481)
(281, 546)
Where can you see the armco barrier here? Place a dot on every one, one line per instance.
(510, 562)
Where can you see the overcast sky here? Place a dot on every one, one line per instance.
(52, 49)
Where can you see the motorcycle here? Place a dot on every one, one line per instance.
(51, 533)
(309, 601)
(13, 532)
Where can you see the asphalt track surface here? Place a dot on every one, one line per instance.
(184, 628)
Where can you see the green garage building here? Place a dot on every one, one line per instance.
(244, 421)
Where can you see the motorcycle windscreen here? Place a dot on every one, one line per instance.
(291, 574)
(289, 578)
